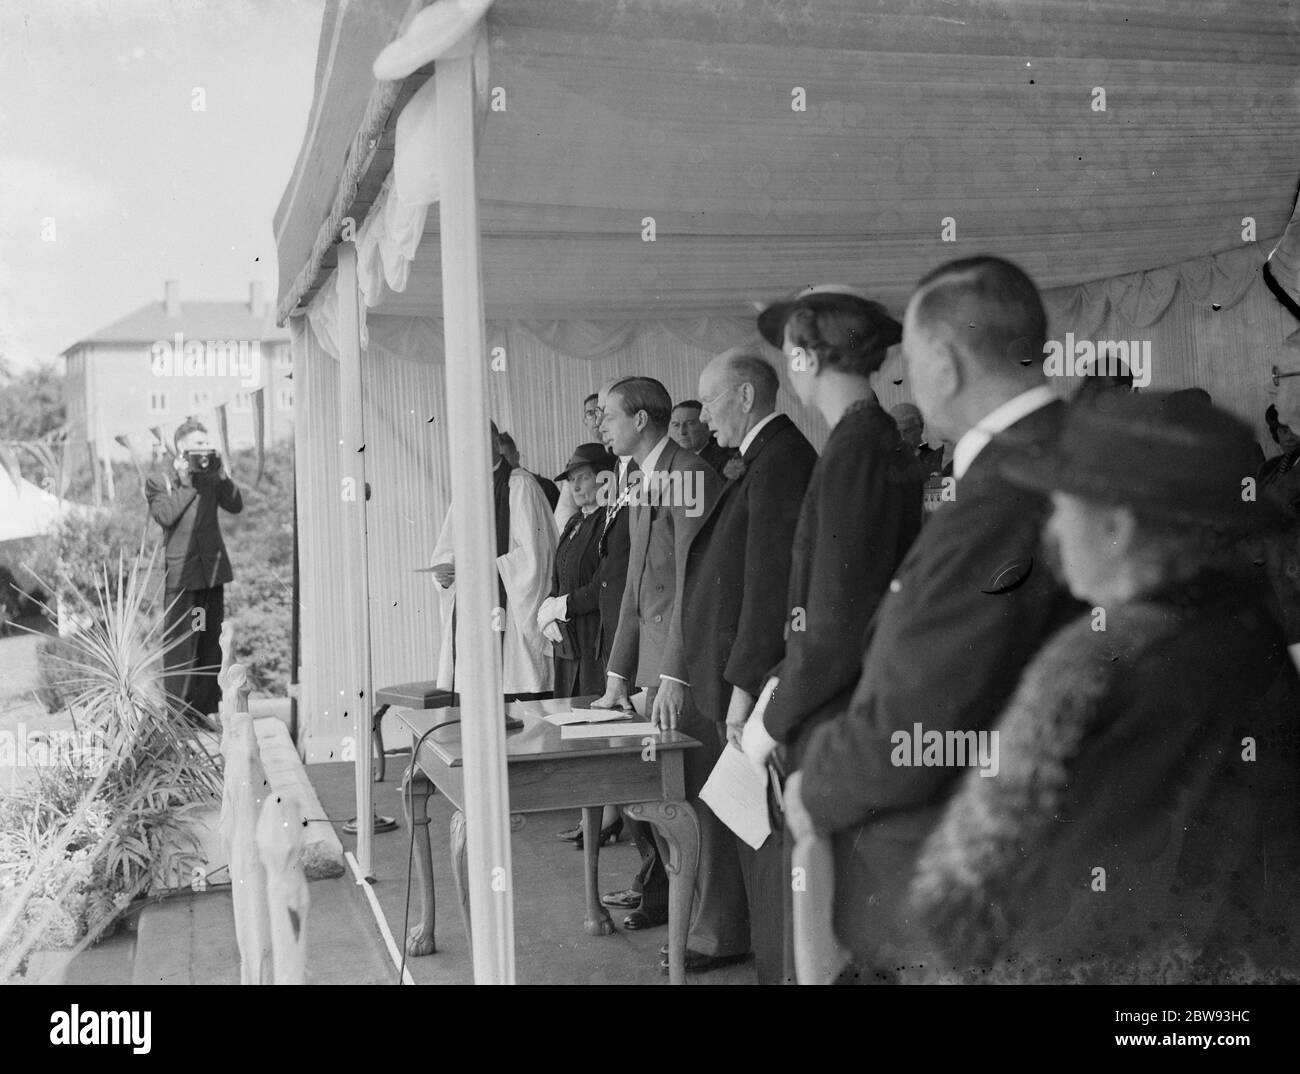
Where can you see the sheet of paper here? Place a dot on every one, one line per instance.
(607, 730)
(562, 719)
(638, 703)
(737, 794)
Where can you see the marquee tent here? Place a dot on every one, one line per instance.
(649, 171)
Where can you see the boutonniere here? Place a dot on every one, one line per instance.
(734, 467)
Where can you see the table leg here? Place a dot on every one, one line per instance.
(597, 922)
(680, 828)
(460, 872)
(416, 789)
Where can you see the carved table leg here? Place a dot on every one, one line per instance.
(416, 789)
(680, 828)
(460, 872)
(597, 922)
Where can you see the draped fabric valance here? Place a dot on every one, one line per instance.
(1139, 299)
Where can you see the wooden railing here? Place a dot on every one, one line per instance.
(263, 832)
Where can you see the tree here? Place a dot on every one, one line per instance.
(31, 402)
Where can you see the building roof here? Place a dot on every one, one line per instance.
(197, 320)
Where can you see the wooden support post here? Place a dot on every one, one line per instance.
(280, 835)
(352, 495)
(244, 789)
(478, 645)
(818, 955)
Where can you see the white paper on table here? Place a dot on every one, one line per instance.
(638, 703)
(607, 730)
(562, 719)
(737, 794)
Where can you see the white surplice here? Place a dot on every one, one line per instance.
(526, 570)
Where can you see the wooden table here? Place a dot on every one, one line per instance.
(644, 775)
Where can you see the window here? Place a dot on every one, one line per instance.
(157, 402)
(243, 401)
(284, 398)
(200, 400)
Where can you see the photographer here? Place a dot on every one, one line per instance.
(184, 503)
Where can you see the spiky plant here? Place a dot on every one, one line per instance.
(149, 771)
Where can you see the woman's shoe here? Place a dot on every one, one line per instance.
(609, 834)
(571, 835)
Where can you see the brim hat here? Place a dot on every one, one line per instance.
(830, 296)
(597, 456)
(1165, 455)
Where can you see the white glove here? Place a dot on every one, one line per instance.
(552, 632)
(560, 608)
(756, 743)
(544, 613)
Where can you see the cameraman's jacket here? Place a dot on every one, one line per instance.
(196, 554)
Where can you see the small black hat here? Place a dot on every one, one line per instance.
(597, 456)
(1158, 455)
(771, 322)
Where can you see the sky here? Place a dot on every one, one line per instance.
(113, 180)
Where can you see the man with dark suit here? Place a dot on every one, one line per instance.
(689, 429)
(734, 608)
(184, 503)
(966, 611)
(674, 491)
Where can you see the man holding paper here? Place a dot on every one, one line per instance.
(734, 608)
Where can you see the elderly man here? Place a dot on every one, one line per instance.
(687, 428)
(911, 427)
(673, 492)
(733, 600)
(965, 611)
(525, 558)
(1149, 768)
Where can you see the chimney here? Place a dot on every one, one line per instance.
(172, 298)
(256, 303)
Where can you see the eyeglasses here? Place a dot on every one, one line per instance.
(1279, 376)
(593, 415)
(709, 404)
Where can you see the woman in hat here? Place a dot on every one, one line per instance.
(570, 617)
(861, 512)
(1142, 825)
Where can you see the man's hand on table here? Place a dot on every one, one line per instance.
(615, 695)
(670, 699)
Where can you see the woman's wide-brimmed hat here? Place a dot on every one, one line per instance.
(597, 456)
(830, 296)
(1165, 455)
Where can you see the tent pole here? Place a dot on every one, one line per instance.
(352, 471)
(478, 644)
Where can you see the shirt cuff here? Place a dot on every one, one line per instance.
(616, 675)
(672, 678)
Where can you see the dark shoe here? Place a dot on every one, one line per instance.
(639, 919)
(698, 963)
(628, 899)
(571, 835)
(607, 835)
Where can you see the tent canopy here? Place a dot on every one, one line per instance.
(777, 148)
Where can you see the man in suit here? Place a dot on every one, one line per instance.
(967, 608)
(690, 430)
(184, 503)
(733, 598)
(674, 491)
